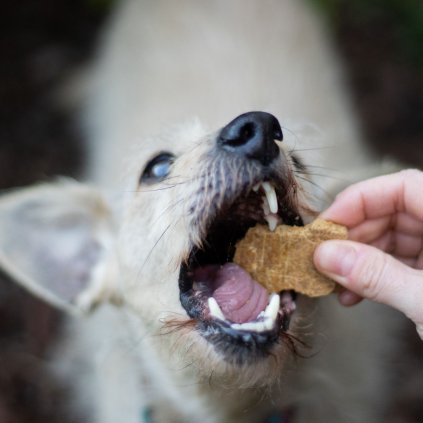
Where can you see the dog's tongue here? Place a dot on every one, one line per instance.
(239, 296)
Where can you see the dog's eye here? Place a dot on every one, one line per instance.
(158, 168)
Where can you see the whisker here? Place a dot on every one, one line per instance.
(337, 178)
(162, 188)
(176, 325)
(297, 138)
(168, 208)
(167, 184)
(328, 195)
(155, 245)
(330, 169)
(326, 147)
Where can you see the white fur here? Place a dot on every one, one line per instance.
(168, 76)
(163, 63)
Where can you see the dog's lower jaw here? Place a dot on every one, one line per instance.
(181, 365)
(180, 343)
(158, 379)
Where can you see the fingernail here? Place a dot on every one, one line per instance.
(348, 298)
(336, 257)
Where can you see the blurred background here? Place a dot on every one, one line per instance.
(43, 42)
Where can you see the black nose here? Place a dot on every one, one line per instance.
(253, 136)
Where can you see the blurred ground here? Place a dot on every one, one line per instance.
(42, 41)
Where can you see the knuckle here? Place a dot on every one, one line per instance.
(411, 173)
(372, 274)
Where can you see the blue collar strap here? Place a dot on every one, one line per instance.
(146, 415)
(280, 417)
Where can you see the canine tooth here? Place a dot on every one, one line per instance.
(265, 206)
(261, 315)
(272, 309)
(268, 324)
(215, 310)
(256, 187)
(271, 196)
(272, 221)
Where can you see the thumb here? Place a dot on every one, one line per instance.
(373, 274)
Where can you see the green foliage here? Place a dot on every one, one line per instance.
(100, 5)
(328, 7)
(405, 17)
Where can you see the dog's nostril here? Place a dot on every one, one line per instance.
(253, 136)
(246, 133)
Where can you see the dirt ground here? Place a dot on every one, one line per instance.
(41, 43)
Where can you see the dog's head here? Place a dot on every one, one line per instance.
(168, 257)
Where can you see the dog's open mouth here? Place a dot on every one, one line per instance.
(231, 308)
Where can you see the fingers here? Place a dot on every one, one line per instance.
(349, 298)
(387, 213)
(378, 197)
(370, 273)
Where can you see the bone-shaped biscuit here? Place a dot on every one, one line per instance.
(283, 259)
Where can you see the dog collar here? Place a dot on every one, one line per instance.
(145, 416)
(280, 417)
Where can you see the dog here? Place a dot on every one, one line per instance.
(204, 119)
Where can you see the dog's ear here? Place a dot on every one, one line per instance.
(58, 241)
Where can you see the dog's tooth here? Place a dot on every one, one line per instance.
(261, 315)
(250, 326)
(265, 206)
(215, 310)
(272, 221)
(256, 187)
(269, 316)
(272, 309)
(270, 192)
(268, 324)
(258, 326)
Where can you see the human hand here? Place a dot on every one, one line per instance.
(383, 258)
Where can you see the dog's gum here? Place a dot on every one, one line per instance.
(283, 259)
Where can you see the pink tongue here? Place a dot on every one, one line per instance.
(239, 296)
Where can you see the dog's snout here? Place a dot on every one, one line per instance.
(253, 136)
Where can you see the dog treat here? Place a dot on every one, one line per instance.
(283, 259)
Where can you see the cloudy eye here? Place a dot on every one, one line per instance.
(158, 168)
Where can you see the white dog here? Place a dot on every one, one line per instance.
(189, 101)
